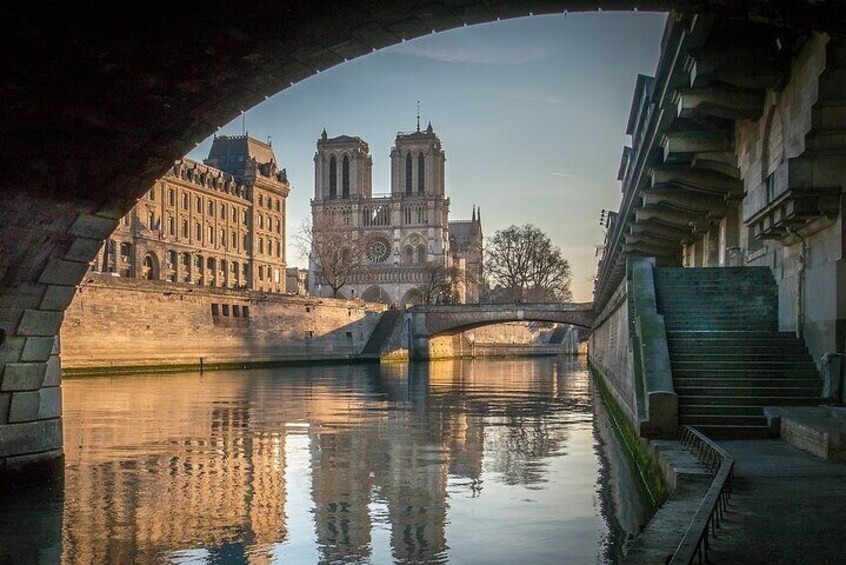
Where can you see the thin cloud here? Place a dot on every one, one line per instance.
(474, 53)
(567, 175)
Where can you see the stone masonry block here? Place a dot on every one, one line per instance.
(53, 374)
(38, 348)
(57, 297)
(5, 401)
(64, 273)
(93, 227)
(31, 437)
(24, 407)
(83, 249)
(50, 405)
(40, 323)
(23, 376)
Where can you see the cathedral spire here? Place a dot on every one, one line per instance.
(474, 214)
(418, 116)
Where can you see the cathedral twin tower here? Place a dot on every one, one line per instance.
(406, 233)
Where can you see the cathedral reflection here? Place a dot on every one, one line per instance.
(196, 466)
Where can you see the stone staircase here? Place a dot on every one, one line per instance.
(381, 333)
(727, 356)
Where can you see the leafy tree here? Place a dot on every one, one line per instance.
(335, 256)
(524, 265)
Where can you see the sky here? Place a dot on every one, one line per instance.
(531, 114)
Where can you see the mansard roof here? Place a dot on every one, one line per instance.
(232, 153)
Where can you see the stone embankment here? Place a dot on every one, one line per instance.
(118, 324)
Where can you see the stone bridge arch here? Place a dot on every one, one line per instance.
(101, 102)
(427, 322)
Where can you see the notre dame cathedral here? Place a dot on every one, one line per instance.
(405, 233)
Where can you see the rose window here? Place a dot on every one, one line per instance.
(378, 250)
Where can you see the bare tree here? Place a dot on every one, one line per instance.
(439, 283)
(335, 255)
(525, 265)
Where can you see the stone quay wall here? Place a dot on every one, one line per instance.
(114, 323)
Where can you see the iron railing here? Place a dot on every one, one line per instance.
(696, 541)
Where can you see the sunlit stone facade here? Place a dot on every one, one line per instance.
(403, 230)
(220, 223)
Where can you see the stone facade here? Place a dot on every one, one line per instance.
(120, 323)
(221, 223)
(405, 231)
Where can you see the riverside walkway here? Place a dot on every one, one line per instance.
(787, 507)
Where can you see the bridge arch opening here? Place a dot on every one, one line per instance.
(84, 159)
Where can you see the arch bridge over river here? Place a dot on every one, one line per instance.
(426, 322)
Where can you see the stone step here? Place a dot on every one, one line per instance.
(691, 351)
(751, 383)
(713, 271)
(723, 420)
(744, 364)
(716, 326)
(736, 432)
(747, 400)
(720, 409)
(775, 355)
(809, 375)
(745, 337)
(730, 391)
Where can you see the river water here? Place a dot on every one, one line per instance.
(495, 461)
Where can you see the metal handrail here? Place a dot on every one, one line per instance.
(695, 543)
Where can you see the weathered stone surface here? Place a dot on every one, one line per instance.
(50, 403)
(24, 406)
(64, 273)
(38, 349)
(5, 401)
(53, 374)
(57, 297)
(30, 437)
(93, 227)
(23, 376)
(84, 249)
(40, 323)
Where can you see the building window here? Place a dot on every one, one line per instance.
(261, 200)
(246, 242)
(215, 310)
(234, 214)
(171, 258)
(333, 178)
(222, 237)
(261, 221)
(278, 249)
(309, 335)
(234, 241)
(153, 193)
(185, 229)
(278, 207)
(345, 177)
(198, 262)
(223, 211)
(261, 273)
(225, 309)
(276, 277)
(245, 271)
(236, 311)
(198, 233)
(278, 226)
(185, 201)
(246, 217)
(211, 208)
(171, 197)
(408, 166)
(210, 232)
(421, 173)
(261, 245)
(198, 205)
(246, 311)
(186, 260)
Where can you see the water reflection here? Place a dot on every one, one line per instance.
(459, 461)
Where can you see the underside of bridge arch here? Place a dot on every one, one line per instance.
(578, 322)
(99, 103)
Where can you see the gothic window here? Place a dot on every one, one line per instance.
(409, 255)
(345, 177)
(378, 250)
(421, 173)
(408, 188)
(421, 215)
(421, 254)
(333, 178)
(407, 215)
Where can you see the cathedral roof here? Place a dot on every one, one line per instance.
(462, 232)
(232, 153)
